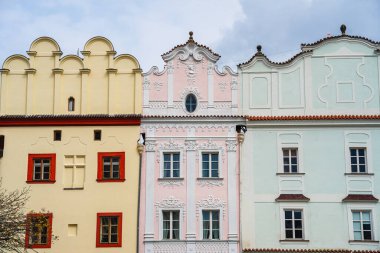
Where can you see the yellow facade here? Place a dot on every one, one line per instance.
(107, 94)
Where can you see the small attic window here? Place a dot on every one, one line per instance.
(71, 104)
(191, 103)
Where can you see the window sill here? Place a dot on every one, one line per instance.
(294, 241)
(170, 179)
(109, 180)
(108, 245)
(290, 174)
(38, 246)
(41, 182)
(210, 178)
(359, 174)
(363, 241)
(73, 188)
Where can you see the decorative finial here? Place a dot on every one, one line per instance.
(191, 36)
(258, 48)
(343, 29)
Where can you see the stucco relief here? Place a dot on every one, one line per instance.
(170, 182)
(211, 202)
(150, 145)
(231, 145)
(157, 86)
(222, 86)
(209, 183)
(169, 203)
(191, 145)
(146, 83)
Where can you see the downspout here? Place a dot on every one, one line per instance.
(140, 150)
(240, 137)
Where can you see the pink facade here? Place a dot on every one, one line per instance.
(190, 175)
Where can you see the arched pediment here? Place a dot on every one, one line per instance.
(16, 62)
(98, 44)
(44, 44)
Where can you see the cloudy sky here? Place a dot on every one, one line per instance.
(147, 29)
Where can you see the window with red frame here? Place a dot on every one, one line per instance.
(38, 230)
(111, 166)
(41, 168)
(109, 229)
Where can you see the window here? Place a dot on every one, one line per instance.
(111, 167)
(191, 103)
(109, 229)
(74, 172)
(38, 231)
(211, 228)
(170, 225)
(97, 135)
(294, 224)
(71, 104)
(362, 225)
(41, 168)
(57, 135)
(358, 160)
(210, 165)
(290, 159)
(171, 165)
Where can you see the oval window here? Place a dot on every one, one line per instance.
(191, 103)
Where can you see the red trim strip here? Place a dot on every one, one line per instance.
(121, 156)
(31, 157)
(70, 122)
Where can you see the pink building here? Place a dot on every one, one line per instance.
(190, 175)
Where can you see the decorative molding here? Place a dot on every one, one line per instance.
(170, 182)
(169, 203)
(191, 145)
(209, 145)
(211, 203)
(234, 84)
(150, 145)
(189, 90)
(209, 182)
(171, 145)
(231, 145)
(191, 50)
(146, 83)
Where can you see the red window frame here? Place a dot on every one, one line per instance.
(49, 217)
(121, 156)
(119, 230)
(31, 157)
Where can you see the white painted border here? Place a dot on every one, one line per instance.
(340, 84)
(268, 77)
(358, 144)
(361, 207)
(200, 222)
(181, 164)
(305, 223)
(160, 220)
(220, 164)
(285, 144)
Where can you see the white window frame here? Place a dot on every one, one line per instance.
(220, 223)
(162, 152)
(290, 163)
(41, 159)
(358, 144)
(171, 224)
(201, 152)
(305, 221)
(358, 207)
(161, 218)
(283, 144)
(366, 159)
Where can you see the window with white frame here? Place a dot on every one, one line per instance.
(171, 167)
(358, 160)
(294, 225)
(170, 225)
(210, 165)
(290, 160)
(211, 225)
(362, 225)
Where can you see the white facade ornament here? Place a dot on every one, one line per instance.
(170, 67)
(191, 70)
(170, 182)
(191, 145)
(209, 145)
(234, 84)
(171, 145)
(150, 146)
(211, 203)
(146, 84)
(210, 183)
(189, 90)
(231, 145)
(168, 203)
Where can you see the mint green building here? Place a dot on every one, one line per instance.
(310, 167)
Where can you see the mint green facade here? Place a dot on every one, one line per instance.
(330, 79)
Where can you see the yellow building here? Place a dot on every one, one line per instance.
(70, 127)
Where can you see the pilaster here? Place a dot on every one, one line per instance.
(57, 90)
(150, 149)
(191, 147)
(3, 73)
(232, 190)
